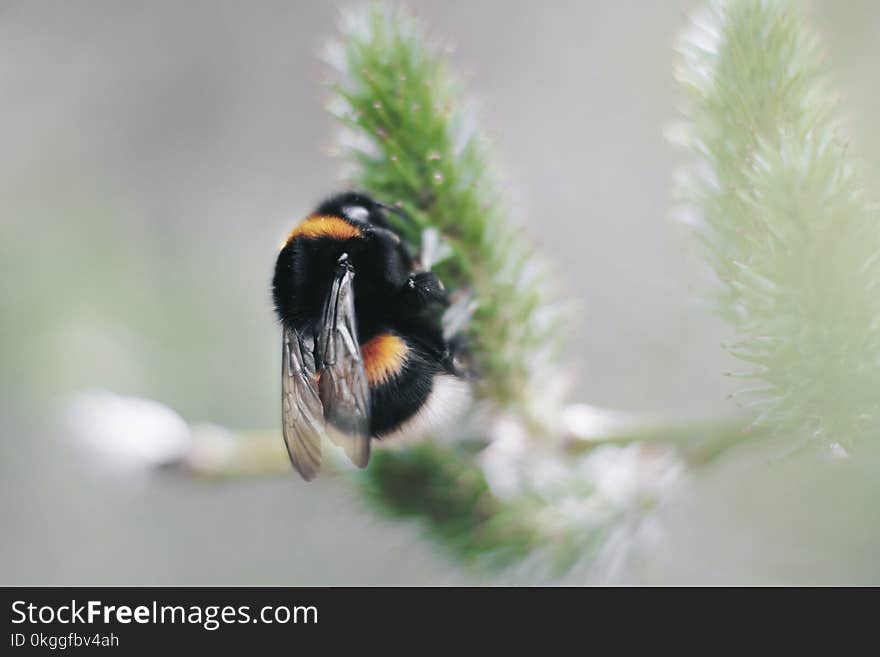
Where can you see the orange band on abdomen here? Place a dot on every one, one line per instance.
(384, 357)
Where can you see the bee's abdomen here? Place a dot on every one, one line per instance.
(410, 391)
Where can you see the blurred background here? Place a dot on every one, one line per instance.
(153, 156)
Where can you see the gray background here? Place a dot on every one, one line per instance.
(151, 157)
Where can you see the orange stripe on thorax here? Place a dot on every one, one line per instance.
(384, 357)
(322, 225)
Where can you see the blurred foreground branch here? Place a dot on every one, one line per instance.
(788, 233)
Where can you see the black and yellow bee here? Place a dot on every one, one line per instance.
(364, 355)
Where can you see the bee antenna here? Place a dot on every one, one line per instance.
(400, 212)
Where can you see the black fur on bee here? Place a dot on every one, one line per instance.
(364, 356)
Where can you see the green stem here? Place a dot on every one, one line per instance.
(262, 453)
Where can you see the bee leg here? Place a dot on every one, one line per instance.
(418, 311)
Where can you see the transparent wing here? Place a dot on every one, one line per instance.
(302, 417)
(342, 382)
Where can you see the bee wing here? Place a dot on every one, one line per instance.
(342, 383)
(302, 420)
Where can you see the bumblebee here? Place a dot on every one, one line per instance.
(363, 351)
